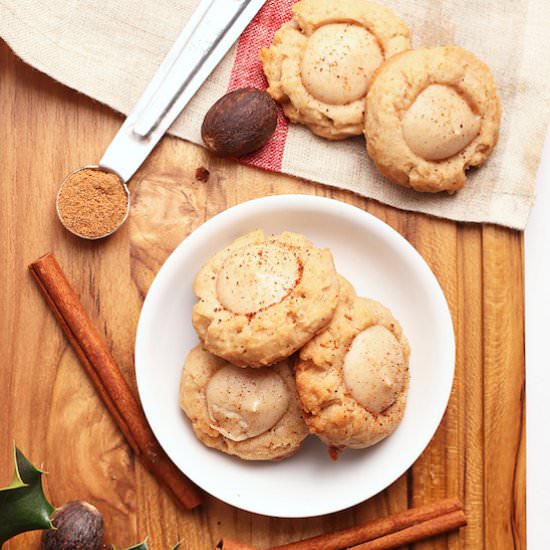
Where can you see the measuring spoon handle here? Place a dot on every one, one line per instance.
(210, 32)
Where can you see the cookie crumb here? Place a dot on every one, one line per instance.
(335, 452)
(202, 174)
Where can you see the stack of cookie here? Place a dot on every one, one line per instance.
(345, 68)
(249, 393)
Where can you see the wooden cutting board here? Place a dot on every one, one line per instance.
(49, 407)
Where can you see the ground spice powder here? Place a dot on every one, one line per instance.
(92, 202)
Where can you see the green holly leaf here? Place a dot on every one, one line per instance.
(23, 505)
(140, 546)
(143, 546)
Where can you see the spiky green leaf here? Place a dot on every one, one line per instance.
(139, 546)
(143, 546)
(23, 505)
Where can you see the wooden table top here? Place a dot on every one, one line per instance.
(49, 407)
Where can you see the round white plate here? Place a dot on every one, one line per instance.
(381, 265)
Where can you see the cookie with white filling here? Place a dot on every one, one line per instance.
(250, 413)
(321, 63)
(352, 379)
(263, 297)
(432, 114)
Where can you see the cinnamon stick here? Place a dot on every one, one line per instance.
(377, 528)
(418, 532)
(228, 544)
(94, 354)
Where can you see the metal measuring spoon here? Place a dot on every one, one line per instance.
(210, 32)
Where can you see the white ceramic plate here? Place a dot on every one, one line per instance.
(381, 265)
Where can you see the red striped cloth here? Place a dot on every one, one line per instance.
(247, 71)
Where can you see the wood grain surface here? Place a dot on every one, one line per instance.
(48, 406)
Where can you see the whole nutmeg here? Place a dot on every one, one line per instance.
(78, 526)
(240, 122)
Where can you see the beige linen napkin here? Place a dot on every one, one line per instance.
(109, 49)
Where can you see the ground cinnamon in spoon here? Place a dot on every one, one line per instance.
(92, 202)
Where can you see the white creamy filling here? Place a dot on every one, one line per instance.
(244, 403)
(440, 123)
(374, 369)
(256, 276)
(338, 63)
